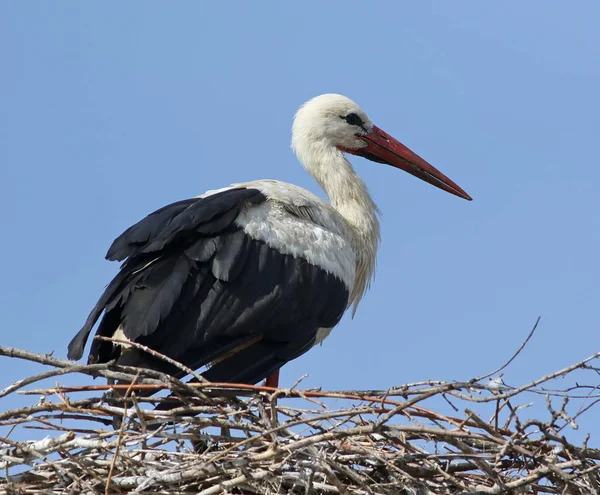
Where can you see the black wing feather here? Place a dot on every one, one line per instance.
(204, 249)
(152, 231)
(159, 228)
(153, 295)
(148, 228)
(196, 287)
(230, 260)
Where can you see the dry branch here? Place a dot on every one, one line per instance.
(224, 438)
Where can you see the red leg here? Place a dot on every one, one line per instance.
(273, 380)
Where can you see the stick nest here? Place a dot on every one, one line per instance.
(219, 438)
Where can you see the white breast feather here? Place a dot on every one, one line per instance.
(323, 238)
(271, 223)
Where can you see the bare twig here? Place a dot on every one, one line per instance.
(289, 440)
(119, 439)
(522, 346)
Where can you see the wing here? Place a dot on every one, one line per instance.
(197, 286)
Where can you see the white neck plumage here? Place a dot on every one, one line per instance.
(349, 196)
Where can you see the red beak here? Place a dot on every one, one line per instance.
(383, 148)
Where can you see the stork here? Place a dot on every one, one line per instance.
(243, 279)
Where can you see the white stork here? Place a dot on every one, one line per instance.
(245, 278)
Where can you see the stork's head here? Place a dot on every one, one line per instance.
(333, 123)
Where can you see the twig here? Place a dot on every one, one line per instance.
(521, 347)
(120, 438)
(156, 354)
(360, 442)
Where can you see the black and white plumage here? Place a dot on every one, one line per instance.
(194, 276)
(251, 276)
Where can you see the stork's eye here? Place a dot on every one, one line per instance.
(353, 119)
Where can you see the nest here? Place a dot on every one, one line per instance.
(220, 438)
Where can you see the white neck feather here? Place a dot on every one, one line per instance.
(350, 197)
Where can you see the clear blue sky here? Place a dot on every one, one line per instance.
(110, 110)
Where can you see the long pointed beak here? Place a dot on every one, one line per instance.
(383, 148)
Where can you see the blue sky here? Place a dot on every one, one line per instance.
(111, 110)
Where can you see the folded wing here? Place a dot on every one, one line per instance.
(198, 288)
